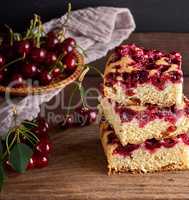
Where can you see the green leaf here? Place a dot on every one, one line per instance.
(19, 157)
(2, 175)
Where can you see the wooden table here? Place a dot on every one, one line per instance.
(77, 168)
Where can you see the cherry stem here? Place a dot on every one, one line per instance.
(96, 69)
(70, 99)
(82, 50)
(68, 14)
(7, 145)
(57, 62)
(11, 34)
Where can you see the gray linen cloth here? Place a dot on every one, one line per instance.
(96, 30)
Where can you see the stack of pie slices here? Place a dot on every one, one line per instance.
(145, 121)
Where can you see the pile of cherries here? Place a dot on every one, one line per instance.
(82, 116)
(42, 148)
(24, 60)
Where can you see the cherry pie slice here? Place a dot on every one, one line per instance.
(137, 123)
(135, 74)
(150, 156)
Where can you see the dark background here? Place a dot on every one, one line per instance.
(150, 15)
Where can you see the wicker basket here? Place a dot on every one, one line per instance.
(44, 89)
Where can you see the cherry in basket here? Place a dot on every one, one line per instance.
(36, 55)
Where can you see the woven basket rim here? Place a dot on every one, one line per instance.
(52, 86)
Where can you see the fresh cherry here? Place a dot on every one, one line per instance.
(23, 47)
(2, 76)
(68, 122)
(55, 72)
(8, 165)
(2, 60)
(92, 115)
(43, 146)
(17, 80)
(52, 41)
(45, 78)
(70, 41)
(31, 163)
(42, 128)
(29, 70)
(38, 55)
(81, 116)
(64, 48)
(51, 58)
(41, 161)
(69, 61)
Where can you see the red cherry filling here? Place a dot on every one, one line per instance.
(158, 82)
(145, 117)
(112, 139)
(171, 129)
(175, 76)
(111, 78)
(176, 58)
(145, 60)
(127, 114)
(169, 142)
(152, 144)
(149, 114)
(122, 50)
(126, 150)
(186, 109)
(185, 138)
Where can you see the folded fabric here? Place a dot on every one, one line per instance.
(97, 30)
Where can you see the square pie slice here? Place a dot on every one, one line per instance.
(150, 156)
(135, 74)
(135, 124)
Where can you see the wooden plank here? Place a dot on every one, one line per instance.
(77, 170)
(162, 41)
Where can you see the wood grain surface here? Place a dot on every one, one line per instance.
(77, 166)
